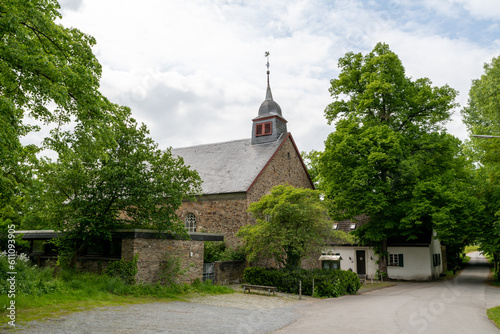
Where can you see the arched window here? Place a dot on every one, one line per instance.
(190, 222)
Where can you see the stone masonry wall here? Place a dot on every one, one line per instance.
(225, 215)
(311, 261)
(285, 167)
(152, 257)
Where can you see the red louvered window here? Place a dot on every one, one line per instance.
(263, 129)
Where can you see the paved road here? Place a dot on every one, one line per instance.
(457, 306)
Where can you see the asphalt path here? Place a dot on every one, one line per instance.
(455, 306)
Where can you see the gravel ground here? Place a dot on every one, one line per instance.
(230, 313)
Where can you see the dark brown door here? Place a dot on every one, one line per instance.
(360, 262)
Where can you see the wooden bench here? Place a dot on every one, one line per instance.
(259, 287)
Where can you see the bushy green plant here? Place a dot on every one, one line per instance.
(213, 251)
(327, 283)
(29, 279)
(218, 251)
(171, 270)
(126, 270)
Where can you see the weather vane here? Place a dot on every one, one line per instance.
(266, 54)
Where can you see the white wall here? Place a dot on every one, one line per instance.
(417, 263)
(348, 255)
(435, 248)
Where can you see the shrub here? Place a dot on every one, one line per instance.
(126, 270)
(218, 251)
(30, 279)
(327, 283)
(171, 270)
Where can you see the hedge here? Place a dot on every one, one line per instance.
(327, 283)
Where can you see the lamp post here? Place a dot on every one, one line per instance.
(485, 136)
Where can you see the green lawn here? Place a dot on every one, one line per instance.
(494, 314)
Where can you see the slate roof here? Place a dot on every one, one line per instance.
(228, 167)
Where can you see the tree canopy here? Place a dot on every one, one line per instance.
(47, 72)
(42, 62)
(482, 117)
(290, 224)
(108, 171)
(113, 175)
(389, 157)
(376, 90)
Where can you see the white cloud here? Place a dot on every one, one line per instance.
(194, 70)
(482, 9)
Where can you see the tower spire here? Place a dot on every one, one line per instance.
(269, 125)
(269, 95)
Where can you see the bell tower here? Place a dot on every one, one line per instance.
(269, 125)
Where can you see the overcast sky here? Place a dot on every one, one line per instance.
(194, 70)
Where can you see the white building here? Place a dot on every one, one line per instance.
(421, 259)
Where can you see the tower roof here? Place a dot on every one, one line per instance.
(269, 107)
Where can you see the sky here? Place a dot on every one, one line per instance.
(194, 71)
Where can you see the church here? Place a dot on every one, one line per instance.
(239, 172)
(234, 174)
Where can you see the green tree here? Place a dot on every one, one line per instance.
(47, 72)
(378, 91)
(112, 175)
(311, 160)
(389, 157)
(42, 62)
(482, 116)
(290, 224)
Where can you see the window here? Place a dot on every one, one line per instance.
(96, 249)
(330, 265)
(190, 222)
(263, 129)
(353, 226)
(436, 259)
(335, 226)
(396, 260)
(330, 261)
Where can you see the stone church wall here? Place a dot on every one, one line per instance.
(285, 167)
(219, 214)
(226, 214)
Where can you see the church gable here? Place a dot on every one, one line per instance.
(284, 167)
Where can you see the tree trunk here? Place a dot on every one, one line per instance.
(382, 263)
(76, 255)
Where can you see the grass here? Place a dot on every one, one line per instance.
(494, 315)
(471, 248)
